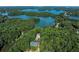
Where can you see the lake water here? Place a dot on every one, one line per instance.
(20, 17)
(30, 10)
(74, 17)
(44, 21)
(56, 12)
(4, 13)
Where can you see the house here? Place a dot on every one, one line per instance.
(37, 41)
(37, 37)
(34, 43)
(57, 25)
(77, 31)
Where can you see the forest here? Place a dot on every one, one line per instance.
(16, 34)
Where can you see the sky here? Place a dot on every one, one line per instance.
(39, 3)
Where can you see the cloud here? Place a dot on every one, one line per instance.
(38, 2)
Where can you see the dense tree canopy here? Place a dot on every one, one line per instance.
(16, 34)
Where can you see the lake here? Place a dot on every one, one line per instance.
(56, 12)
(74, 17)
(44, 21)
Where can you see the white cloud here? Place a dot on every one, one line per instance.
(38, 2)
